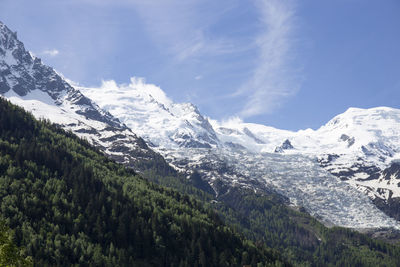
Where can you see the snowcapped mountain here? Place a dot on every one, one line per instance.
(331, 172)
(355, 146)
(305, 166)
(151, 114)
(27, 82)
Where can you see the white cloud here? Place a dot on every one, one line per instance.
(181, 26)
(138, 85)
(230, 122)
(136, 89)
(183, 30)
(51, 53)
(273, 79)
(147, 88)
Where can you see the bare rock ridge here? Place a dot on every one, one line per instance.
(27, 82)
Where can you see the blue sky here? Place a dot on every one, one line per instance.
(284, 63)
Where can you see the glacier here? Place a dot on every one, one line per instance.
(243, 154)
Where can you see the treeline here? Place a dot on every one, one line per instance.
(266, 219)
(67, 204)
(299, 237)
(302, 240)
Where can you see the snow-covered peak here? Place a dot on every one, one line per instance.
(353, 131)
(352, 145)
(27, 82)
(357, 136)
(150, 113)
(361, 130)
(364, 118)
(255, 137)
(357, 128)
(137, 88)
(8, 39)
(12, 51)
(22, 72)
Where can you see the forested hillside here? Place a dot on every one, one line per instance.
(67, 204)
(301, 239)
(265, 218)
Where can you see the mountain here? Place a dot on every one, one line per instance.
(329, 172)
(360, 147)
(153, 116)
(70, 205)
(27, 82)
(78, 206)
(67, 204)
(308, 167)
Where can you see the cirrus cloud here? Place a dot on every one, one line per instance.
(273, 79)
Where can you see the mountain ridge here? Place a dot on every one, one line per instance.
(26, 81)
(248, 143)
(105, 205)
(68, 204)
(225, 154)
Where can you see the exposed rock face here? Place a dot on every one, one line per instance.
(39, 89)
(285, 146)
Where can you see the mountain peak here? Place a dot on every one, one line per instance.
(22, 73)
(5, 31)
(360, 117)
(12, 51)
(147, 110)
(27, 82)
(353, 110)
(9, 39)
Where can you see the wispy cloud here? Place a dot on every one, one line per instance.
(273, 79)
(191, 32)
(179, 27)
(182, 26)
(51, 53)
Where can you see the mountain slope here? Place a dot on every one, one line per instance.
(245, 199)
(266, 159)
(350, 149)
(356, 146)
(68, 204)
(79, 207)
(153, 116)
(27, 82)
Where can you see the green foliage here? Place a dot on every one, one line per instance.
(10, 254)
(301, 239)
(67, 204)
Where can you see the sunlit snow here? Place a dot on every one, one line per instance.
(248, 150)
